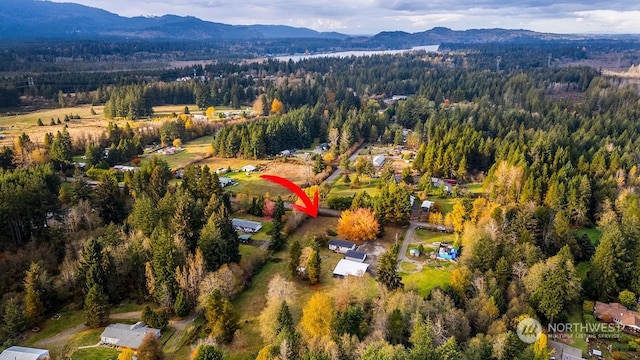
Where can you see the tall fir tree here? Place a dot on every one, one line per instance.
(277, 239)
(96, 307)
(294, 258)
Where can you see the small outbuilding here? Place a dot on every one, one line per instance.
(24, 353)
(353, 255)
(244, 238)
(379, 160)
(414, 252)
(349, 268)
(341, 246)
(246, 226)
(426, 205)
(447, 252)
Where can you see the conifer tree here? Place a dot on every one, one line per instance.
(294, 254)
(34, 309)
(277, 239)
(95, 307)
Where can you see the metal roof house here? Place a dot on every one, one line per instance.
(426, 205)
(246, 226)
(349, 268)
(226, 181)
(124, 335)
(341, 246)
(353, 255)
(24, 353)
(248, 168)
(379, 160)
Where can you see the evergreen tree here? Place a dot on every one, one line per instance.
(208, 352)
(285, 320)
(34, 309)
(14, 321)
(397, 332)
(96, 307)
(387, 269)
(294, 254)
(277, 239)
(181, 306)
(313, 267)
(219, 240)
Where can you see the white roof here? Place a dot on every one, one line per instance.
(347, 267)
(126, 335)
(248, 168)
(225, 180)
(427, 204)
(23, 353)
(378, 158)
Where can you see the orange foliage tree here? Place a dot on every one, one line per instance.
(358, 225)
(277, 106)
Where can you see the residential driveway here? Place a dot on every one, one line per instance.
(337, 173)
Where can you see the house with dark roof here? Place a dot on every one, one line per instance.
(24, 353)
(341, 246)
(353, 255)
(246, 226)
(619, 314)
(127, 336)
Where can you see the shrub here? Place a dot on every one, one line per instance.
(339, 202)
(587, 306)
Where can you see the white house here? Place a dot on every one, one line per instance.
(24, 353)
(341, 246)
(248, 168)
(347, 267)
(124, 335)
(246, 226)
(199, 117)
(226, 181)
(379, 160)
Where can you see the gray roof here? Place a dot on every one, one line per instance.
(246, 224)
(342, 243)
(355, 254)
(125, 335)
(24, 353)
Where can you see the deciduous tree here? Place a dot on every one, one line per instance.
(358, 225)
(150, 348)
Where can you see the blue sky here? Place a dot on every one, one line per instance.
(372, 16)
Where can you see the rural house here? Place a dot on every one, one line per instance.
(24, 353)
(447, 252)
(226, 181)
(248, 168)
(353, 255)
(341, 246)
(564, 351)
(246, 226)
(127, 336)
(347, 267)
(379, 160)
(426, 205)
(619, 314)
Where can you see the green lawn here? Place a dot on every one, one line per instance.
(428, 236)
(51, 327)
(339, 188)
(578, 340)
(85, 338)
(593, 234)
(98, 353)
(426, 280)
(474, 188)
(253, 185)
(582, 269)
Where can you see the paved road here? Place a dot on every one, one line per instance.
(337, 173)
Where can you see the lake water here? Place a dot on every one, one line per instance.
(341, 54)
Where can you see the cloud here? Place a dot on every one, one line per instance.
(373, 16)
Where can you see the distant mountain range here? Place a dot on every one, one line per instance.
(42, 20)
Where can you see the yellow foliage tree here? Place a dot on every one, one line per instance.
(456, 217)
(540, 349)
(358, 225)
(210, 112)
(177, 143)
(126, 354)
(277, 107)
(461, 281)
(317, 317)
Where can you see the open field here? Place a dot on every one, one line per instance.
(427, 236)
(427, 279)
(594, 234)
(99, 353)
(339, 188)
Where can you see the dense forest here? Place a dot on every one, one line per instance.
(555, 147)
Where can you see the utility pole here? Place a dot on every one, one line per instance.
(498, 60)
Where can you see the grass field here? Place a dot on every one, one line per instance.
(426, 280)
(474, 188)
(339, 188)
(427, 236)
(593, 234)
(51, 327)
(85, 338)
(98, 353)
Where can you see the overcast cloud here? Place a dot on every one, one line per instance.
(372, 16)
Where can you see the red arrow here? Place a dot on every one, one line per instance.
(309, 208)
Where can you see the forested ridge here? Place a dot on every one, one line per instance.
(556, 149)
